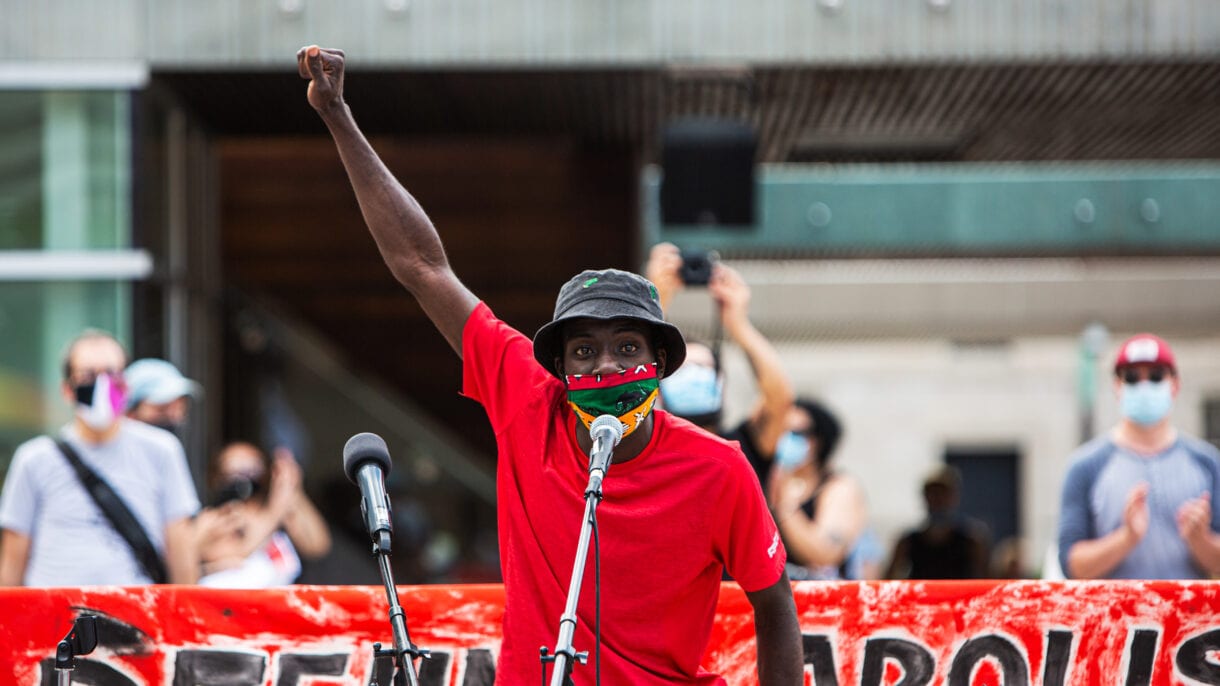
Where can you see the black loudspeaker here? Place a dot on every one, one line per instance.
(708, 172)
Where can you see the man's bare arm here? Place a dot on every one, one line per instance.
(14, 557)
(408, 241)
(181, 553)
(768, 420)
(780, 654)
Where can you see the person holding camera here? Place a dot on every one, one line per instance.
(696, 391)
(260, 523)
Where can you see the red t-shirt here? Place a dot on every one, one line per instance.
(672, 519)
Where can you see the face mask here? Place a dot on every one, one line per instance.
(1147, 403)
(792, 450)
(100, 404)
(628, 395)
(693, 391)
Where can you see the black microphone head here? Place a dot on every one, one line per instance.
(365, 447)
(610, 424)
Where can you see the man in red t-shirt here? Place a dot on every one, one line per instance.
(681, 506)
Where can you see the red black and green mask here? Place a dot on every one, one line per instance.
(628, 395)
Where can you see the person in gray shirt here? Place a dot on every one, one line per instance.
(53, 532)
(1140, 501)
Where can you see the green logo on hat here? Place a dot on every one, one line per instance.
(590, 282)
(652, 290)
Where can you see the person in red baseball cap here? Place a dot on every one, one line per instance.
(1140, 501)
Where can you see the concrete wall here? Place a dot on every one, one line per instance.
(244, 33)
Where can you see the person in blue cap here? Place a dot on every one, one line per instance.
(158, 394)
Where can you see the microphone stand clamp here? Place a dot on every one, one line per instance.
(81, 640)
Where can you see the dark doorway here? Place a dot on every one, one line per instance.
(990, 486)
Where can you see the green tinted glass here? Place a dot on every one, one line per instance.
(64, 170)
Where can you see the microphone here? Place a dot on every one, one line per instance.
(366, 461)
(606, 432)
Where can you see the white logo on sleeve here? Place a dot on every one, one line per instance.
(774, 545)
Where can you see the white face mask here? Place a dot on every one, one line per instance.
(1147, 403)
(100, 404)
(792, 450)
(694, 390)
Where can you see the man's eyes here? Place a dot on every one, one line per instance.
(630, 348)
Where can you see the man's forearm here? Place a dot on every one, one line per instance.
(780, 654)
(181, 554)
(776, 394)
(768, 368)
(1206, 552)
(1096, 558)
(780, 658)
(405, 236)
(14, 557)
(809, 542)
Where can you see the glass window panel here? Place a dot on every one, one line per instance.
(20, 170)
(65, 170)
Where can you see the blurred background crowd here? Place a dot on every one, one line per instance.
(912, 235)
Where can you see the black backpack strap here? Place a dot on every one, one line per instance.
(119, 515)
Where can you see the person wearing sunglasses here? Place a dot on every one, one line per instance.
(61, 524)
(1140, 501)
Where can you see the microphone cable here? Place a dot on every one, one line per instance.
(597, 601)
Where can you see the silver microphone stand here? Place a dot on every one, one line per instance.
(565, 655)
(404, 652)
(606, 429)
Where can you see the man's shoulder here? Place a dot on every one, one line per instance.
(679, 429)
(682, 435)
(34, 449)
(485, 327)
(150, 442)
(149, 437)
(1094, 453)
(37, 444)
(1201, 450)
(489, 343)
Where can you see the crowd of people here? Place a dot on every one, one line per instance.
(761, 501)
(1136, 503)
(114, 487)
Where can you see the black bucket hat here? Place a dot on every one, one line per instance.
(608, 294)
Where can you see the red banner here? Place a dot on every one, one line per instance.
(870, 634)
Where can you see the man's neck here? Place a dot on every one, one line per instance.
(1145, 440)
(92, 435)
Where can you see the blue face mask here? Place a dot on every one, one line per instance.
(1147, 403)
(692, 391)
(792, 450)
